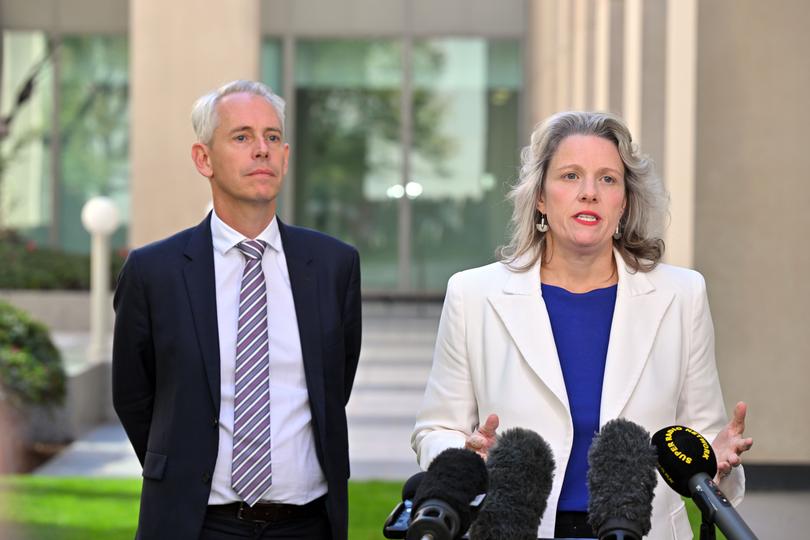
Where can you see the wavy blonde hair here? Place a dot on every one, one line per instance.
(642, 223)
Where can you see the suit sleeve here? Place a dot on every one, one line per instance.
(133, 362)
(352, 324)
(449, 409)
(701, 403)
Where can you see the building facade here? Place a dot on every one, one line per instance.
(405, 119)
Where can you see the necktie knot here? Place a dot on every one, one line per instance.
(252, 249)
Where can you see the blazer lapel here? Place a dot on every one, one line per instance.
(640, 307)
(523, 312)
(301, 266)
(201, 290)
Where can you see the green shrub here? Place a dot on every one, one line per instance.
(31, 371)
(25, 265)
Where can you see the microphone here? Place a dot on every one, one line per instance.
(450, 491)
(687, 463)
(396, 525)
(521, 470)
(621, 480)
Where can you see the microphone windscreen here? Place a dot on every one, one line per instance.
(456, 477)
(411, 485)
(683, 453)
(621, 476)
(521, 472)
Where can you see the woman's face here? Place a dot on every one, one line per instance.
(583, 197)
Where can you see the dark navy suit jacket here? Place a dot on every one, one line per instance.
(166, 383)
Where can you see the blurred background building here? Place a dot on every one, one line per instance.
(405, 119)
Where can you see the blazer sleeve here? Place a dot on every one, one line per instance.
(133, 360)
(701, 403)
(449, 410)
(352, 324)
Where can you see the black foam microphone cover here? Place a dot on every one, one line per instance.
(687, 463)
(621, 480)
(411, 485)
(683, 453)
(441, 505)
(521, 472)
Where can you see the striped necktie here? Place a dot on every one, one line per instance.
(250, 468)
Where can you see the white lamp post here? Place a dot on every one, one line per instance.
(100, 218)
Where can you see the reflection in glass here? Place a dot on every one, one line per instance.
(466, 96)
(347, 147)
(94, 132)
(25, 172)
(271, 66)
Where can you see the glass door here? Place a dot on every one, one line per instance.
(419, 202)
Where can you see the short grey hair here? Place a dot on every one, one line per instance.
(204, 117)
(641, 224)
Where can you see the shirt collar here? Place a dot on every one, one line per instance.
(226, 238)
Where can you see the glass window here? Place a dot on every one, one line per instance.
(25, 170)
(464, 156)
(347, 147)
(94, 132)
(271, 68)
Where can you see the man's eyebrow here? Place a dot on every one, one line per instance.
(250, 129)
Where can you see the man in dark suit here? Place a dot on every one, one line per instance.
(235, 349)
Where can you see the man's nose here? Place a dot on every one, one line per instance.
(262, 148)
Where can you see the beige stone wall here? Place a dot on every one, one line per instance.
(179, 50)
(718, 94)
(751, 218)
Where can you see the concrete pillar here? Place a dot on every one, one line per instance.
(751, 217)
(601, 55)
(680, 130)
(179, 50)
(633, 38)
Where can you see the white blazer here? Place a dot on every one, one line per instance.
(495, 353)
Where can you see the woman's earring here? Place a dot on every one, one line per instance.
(618, 234)
(542, 226)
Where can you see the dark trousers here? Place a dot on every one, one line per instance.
(223, 526)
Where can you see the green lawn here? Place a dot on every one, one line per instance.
(36, 508)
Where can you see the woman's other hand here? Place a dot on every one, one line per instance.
(484, 437)
(730, 444)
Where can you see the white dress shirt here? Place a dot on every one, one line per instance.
(297, 475)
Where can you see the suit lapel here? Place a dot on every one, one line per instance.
(640, 307)
(201, 290)
(301, 266)
(524, 315)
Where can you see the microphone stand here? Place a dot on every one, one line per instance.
(707, 530)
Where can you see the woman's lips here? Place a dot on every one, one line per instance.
(587, 218)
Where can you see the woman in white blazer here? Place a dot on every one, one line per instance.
(509, 353)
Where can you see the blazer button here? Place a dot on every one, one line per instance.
(206, 478)
(215, 423)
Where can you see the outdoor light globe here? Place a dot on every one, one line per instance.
(100, 216)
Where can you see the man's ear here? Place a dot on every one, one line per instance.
(286, 158)
(202, 159)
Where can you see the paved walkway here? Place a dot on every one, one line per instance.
(394, 364)
(395, 361)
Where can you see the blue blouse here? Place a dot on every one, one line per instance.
(581, 327)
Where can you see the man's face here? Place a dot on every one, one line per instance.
(247, 157)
